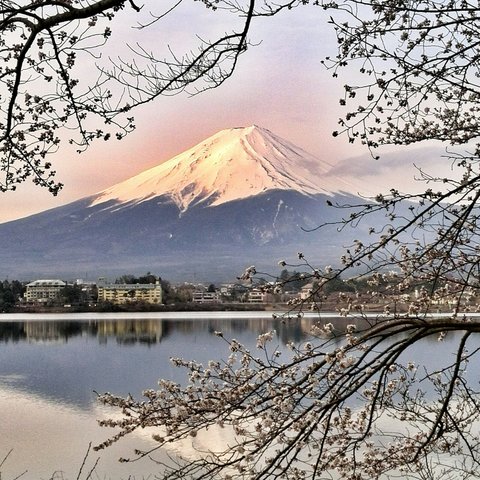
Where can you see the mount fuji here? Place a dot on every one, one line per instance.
(243, 196)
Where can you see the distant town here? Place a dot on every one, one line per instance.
(289, 290)
(148, 292)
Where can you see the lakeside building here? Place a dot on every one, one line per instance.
(205, 297)
(257, 295)
(121, 293)
(43, 291)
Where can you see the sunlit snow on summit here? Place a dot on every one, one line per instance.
(232, 164)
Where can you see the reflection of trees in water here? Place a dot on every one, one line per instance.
(124, 331)
(152, 331)
(12, 332)
(39, 331)
(295, 330)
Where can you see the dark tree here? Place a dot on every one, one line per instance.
(127, 279)
(10, 294)
(72, 294)
(49, 50)
(147, 278)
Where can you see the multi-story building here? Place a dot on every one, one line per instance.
(201, 296)
(257, 295)
(42, 291)
(120, 293)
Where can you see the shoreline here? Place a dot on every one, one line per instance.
(143, 308)
(200, 315)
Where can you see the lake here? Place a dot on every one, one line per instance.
(52, 365)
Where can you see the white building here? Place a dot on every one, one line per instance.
(42, 291)
(257, 295)
(205, 297)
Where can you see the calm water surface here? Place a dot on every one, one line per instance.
(52, 365)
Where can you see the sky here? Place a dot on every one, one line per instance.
(279, 84)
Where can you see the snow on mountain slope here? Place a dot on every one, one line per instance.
(232, 164)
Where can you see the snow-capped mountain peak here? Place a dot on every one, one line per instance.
(232, 164)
